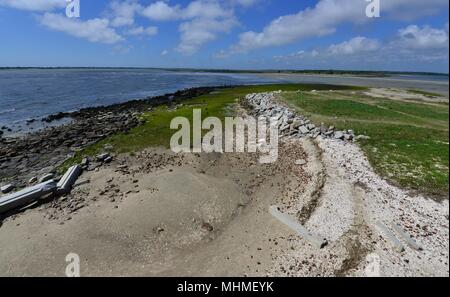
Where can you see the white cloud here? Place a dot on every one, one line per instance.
(94, 30)
(412, 44)
(161, 11)
(414, 37)
(324, 18)
(34, 5)
(123, 12)
(245, 3)
(149, 31)
(355, 45)
(200, 31)
(164, 53)
(202, 21)
(210, 9)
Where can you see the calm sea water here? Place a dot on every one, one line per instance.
(35, 93)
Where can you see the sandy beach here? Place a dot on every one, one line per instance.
(157, 213)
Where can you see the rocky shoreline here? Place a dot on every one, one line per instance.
(40, 153)
(291, 124)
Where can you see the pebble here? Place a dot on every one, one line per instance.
(6, 188)
(46, 177)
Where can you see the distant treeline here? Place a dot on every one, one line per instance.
(305, 71)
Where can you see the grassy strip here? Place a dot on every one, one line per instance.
(409, 141)
(156, 130)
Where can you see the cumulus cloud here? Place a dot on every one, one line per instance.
(412, 43)
(200, 31)
(34, 5)
(426, 37)
(324, 18)
(161, 11)
(355, 45)
(94, 30)
(245, 3)
(149, 31)
(123, 13)
(202, 21)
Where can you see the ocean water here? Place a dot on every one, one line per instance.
(35, 93)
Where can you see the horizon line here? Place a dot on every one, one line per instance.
(268, 70)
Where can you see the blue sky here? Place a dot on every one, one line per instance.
(409, 35)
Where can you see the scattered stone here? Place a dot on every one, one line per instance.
(303, 129)
(300, 162)
(102, 157)
(84, 162)
(348, 137)
(46, 177)
(296, 123)
(290, 123)
(362, 137)
(33, 180)
(208, 227)
(6, 188)
(311, 126)
(338, 135)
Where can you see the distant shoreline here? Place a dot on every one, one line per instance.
(334, 72)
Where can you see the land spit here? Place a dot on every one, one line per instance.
(157, 213)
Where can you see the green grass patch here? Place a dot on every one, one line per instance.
(156, 130)
(408, 141)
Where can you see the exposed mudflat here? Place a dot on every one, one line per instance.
(404, 95)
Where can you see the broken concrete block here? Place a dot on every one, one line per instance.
(407, 238)
(69, 178)
(292, 223)
(6, 188)
(26, 196)
(398, 246)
